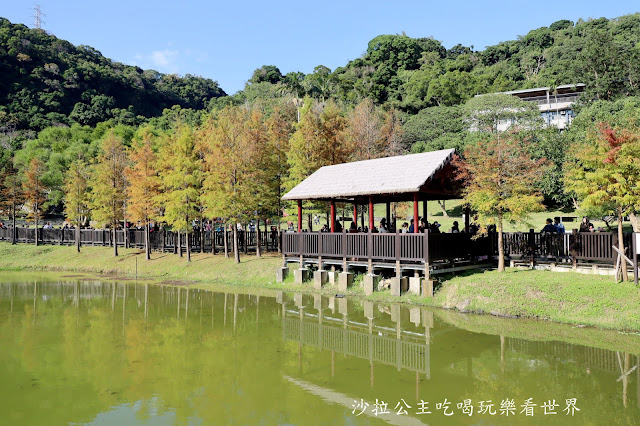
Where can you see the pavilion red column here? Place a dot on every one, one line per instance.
(415, 213)
(333, 216)
(370, 214)
(299, 215)
(355, 214)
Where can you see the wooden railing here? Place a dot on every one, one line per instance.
(420, 248)
(592, 247)
(413, 248)
(158, 240)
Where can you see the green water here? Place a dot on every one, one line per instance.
(81, 351)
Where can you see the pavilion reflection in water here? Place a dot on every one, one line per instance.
(332, 324)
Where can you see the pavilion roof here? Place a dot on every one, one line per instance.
(391, 177)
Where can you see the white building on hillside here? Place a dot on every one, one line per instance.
(556, 106)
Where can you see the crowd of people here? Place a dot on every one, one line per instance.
(556, 227)
(384, 227)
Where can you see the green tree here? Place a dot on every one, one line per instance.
(181, 182)
(500, 179)
(266, 73)
(223, 144)
(76, 198)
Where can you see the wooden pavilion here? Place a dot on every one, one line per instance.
(414, 178)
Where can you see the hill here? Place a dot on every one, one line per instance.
(411, 74)
(48, 81)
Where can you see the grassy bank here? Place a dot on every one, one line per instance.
(204, 267)
(560, 297)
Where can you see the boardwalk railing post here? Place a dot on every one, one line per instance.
(300, 248)
(428, 283)
(396, 241)
(320, 251)
(573, 244)
(532, 247)
(635, 238)
(615, 258)
(344, 251)
(370, 249)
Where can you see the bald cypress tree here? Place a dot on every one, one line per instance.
(34, 191)
(144, 184)
(181, 182)
(109, 184)
(76, 196)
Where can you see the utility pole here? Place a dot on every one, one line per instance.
(37, 17)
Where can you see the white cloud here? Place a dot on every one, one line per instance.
(170, 60)
(164, 58)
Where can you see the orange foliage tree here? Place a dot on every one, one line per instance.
(144, 183)
(34, 191)
(604, 172)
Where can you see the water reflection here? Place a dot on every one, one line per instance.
(159, 354)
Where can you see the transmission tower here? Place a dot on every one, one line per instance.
(37, 17)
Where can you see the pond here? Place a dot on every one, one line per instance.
(77, 350)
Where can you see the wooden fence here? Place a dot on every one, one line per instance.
(158, 240)
(576, 247)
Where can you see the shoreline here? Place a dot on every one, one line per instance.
(568, 298)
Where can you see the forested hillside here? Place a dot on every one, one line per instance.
(415, 73)
(48, 81)
(60, 105)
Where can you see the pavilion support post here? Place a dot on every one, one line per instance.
(370, 280)
(299, 215)
(333, 216)
(345, 278)
(355, 214)
(320, 277)
(399, 284)
(467, 213)
(424, 210)
(415, 213)
(395, 215)
(388, 216)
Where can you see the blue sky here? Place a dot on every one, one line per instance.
(227, 40)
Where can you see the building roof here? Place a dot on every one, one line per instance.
(571, 86)
(394, 177)
(524, 91)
